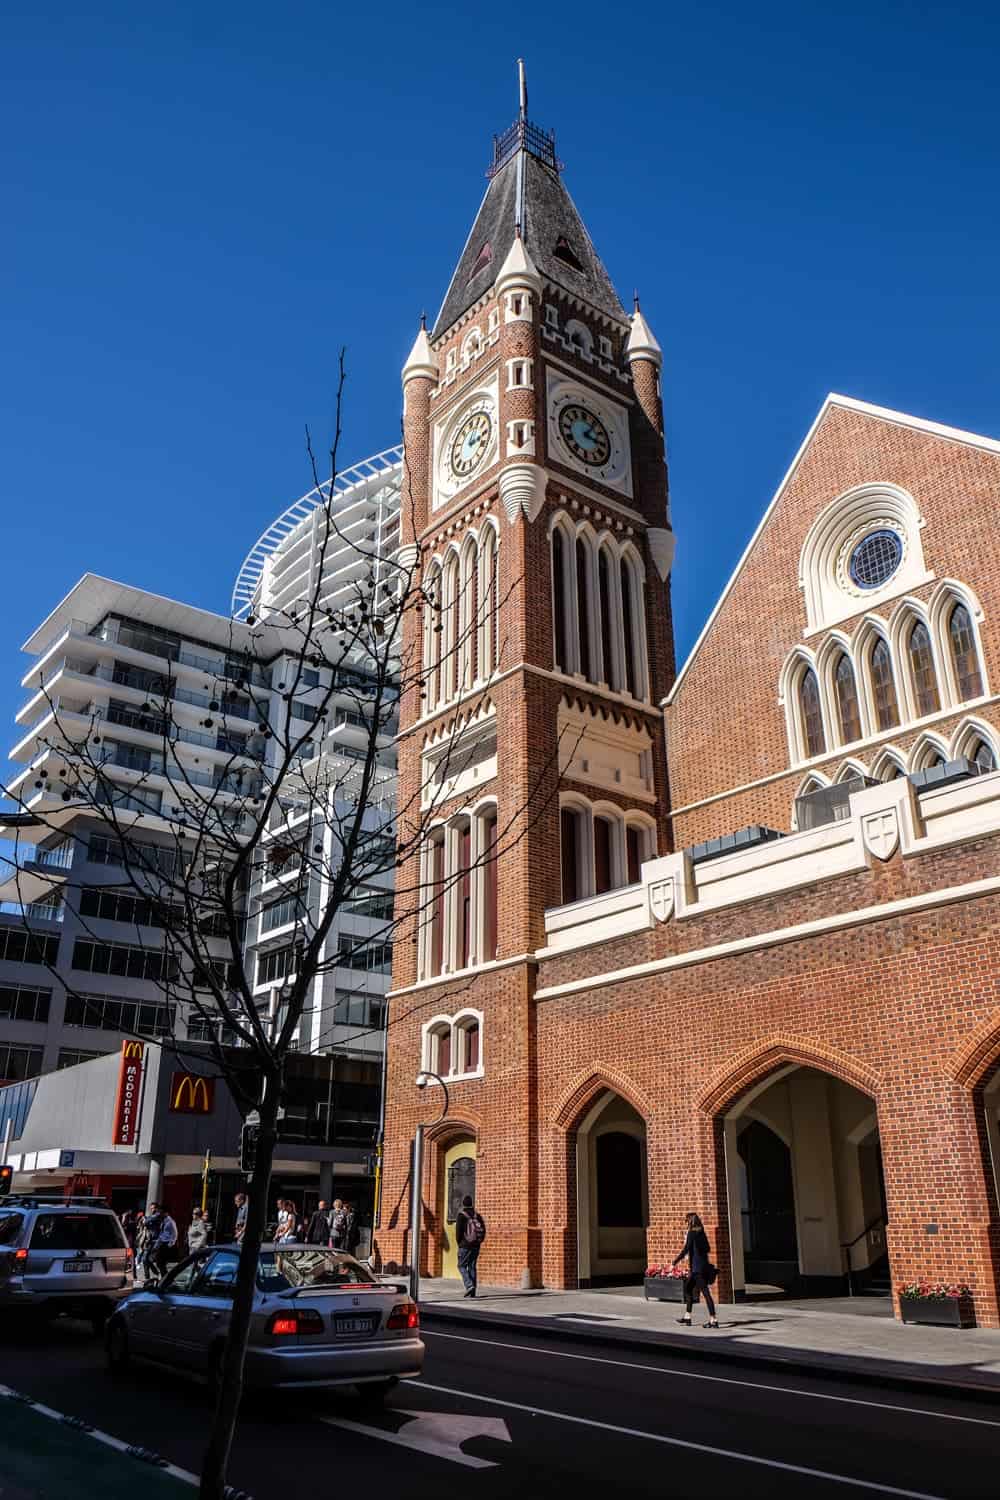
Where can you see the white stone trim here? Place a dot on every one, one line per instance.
(927, 900)
(848, 403)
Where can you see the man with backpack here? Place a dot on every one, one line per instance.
(470, 1231)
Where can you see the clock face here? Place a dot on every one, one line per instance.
(585, 435)
(470, 443)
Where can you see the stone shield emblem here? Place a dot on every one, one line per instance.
(880, 832)
(661, 899)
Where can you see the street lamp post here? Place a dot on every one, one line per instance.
(416, 1181)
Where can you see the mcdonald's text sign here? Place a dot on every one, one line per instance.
(190, 1094)
(126, 1126)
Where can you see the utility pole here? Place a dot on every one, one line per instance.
(206, 1169)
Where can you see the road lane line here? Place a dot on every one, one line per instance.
(674, 1442)
(131, 1449)
(782, 1390)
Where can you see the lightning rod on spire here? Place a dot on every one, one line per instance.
(522, 88)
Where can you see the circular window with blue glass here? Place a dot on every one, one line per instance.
(875, 559)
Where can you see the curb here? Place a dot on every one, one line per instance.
(834, 1367)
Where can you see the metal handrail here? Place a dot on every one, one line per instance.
(848, 1246)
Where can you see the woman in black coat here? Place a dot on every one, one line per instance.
(696, 1252)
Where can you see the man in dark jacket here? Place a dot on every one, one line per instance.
(470, 1231)
(318, 1232)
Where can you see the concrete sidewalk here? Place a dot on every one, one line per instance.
(818, 1336)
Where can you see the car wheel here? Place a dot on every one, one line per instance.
(116, 1344)
(374, 1392)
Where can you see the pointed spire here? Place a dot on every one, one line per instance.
(642, 342)
(518, 269)
(421, 361)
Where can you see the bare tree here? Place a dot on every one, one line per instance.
(292, 800)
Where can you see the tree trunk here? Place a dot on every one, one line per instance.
(216, 1460)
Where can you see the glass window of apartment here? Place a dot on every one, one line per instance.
(19, 1063)
(276, 963)
(20, 947)
(18, 1003)
(121, 958)
(70, 1056)
(356, 953)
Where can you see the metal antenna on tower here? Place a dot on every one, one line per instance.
(522, 88)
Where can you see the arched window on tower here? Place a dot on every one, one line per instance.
(583, 605)
(846, 691)
(922, 673)
(812, 714)
(488, 879)
(962, 641)
(571, 846)
(604, 856)
(884, 686)
(606, 667)
(435, 882)
(629, 627)
(559, 599)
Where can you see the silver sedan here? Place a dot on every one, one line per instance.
(319, 1319)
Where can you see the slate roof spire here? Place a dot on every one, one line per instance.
(526, 192)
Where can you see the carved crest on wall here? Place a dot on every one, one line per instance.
(880, 833)
(661, 899)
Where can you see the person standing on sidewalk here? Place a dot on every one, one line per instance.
(318, 1231)
(701, 1272)
(241, 1216)
(470, 1231)
(199, 1231)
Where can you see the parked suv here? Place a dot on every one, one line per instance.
(62, 1255)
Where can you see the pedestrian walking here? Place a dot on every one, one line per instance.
(352, 1229)
(166, 1239)
(338, 1225)
(701, 1272)
(241, 1216)
(470, 1231)
(286, 1231)
(199, 1231)
(146, 1238)
(130, 1227)
(318, 1229)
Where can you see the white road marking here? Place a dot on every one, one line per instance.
(782, 1390)
(674, 1442)
(103, 1437)
(437, 1433)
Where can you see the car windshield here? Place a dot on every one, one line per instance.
(77, 1231)
(10, 1225)
(282, 1269)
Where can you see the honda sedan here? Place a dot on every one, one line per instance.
(318, 1320)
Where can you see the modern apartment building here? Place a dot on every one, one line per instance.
(164, 695)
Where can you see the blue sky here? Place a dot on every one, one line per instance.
(202, 203)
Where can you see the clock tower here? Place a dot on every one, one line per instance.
(535, 508)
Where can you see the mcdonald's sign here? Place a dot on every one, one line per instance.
(129, 1099)
(191, 1094)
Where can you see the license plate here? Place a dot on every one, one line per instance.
(78, 1267)
(347, 1327)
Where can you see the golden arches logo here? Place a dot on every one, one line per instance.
(133, 1049)
(192, 1094)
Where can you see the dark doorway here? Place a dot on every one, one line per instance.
(619, 1181)
(770, 1244)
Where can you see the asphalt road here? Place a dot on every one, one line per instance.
(527, 1416)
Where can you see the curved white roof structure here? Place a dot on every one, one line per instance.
(281, 566)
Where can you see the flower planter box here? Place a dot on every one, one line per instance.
(664, 1288)
(945, 1312)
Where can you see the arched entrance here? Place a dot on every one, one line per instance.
(807, 1205)
(458, 1165)
(612, 1193)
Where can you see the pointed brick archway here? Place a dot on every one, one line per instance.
(580, 1101)
(438, 1141)
(751, 1074)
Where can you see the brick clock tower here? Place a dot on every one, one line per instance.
(535, 509)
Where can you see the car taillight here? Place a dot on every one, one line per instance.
(404, 1315)
(302, 1320)
(20, 1255)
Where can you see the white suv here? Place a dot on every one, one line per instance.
(62, 1255)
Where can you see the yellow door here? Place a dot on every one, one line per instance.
(459, 1179)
